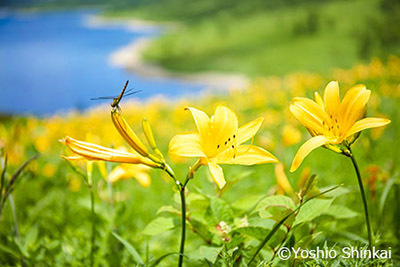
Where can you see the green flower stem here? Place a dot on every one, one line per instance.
(182, 188)
(93, 214)
(93, 226)
(349, 154)
(183, 233)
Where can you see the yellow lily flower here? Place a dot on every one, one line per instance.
(282, 180)
(219, 141)
(122, 172)
(89, 151)
(132, 139)
(331, 121)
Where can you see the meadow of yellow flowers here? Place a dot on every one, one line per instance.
(67, 210)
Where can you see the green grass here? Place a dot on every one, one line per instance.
(312, 37)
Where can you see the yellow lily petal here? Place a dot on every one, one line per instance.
(143, 178)
(217, 142)
(318, 100)
(202, 121)
(366, 124)
(118, 173)
(353, 106)
(308, 113)
(73, 158)
(306, 148)
(148, 133)
(247, 155)
(248, 130)
(217, 174)
(281, 178)
(131, 171)
(76, 158)
(128, 134)
(332, 98)
(224, 125)
(186, 145)
(102, 168)
(95, 152)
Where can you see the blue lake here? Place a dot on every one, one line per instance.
(52, 62)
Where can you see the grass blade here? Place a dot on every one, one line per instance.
(130, 249)
(160, 259)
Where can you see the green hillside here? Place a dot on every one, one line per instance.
(264, 37)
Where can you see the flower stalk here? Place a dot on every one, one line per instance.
(183, 232)
(182, 188)
(89, 171)
(350, 154)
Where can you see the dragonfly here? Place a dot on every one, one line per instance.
(117, 99)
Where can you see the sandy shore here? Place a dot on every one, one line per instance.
(130, 57)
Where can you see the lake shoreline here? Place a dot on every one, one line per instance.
(130, 58)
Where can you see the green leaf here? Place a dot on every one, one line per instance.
(206, 253)
(160, 259)
(31, 237)
(247, 202)
(306, 241)
(201, 229)
(254, 231)
(158, 226)
(277, 213)
(276, 208)
(130, 249)
(340, 212)
(260, 232)
(221, 210)
(385, 194)
(313, 209)
(9, 250)
(168, 209)
(337, 192)
(309, 186)
(282, 201)
(278, 224)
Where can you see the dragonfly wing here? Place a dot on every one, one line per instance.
(131, 93)
(129, 90)
(102, 97)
